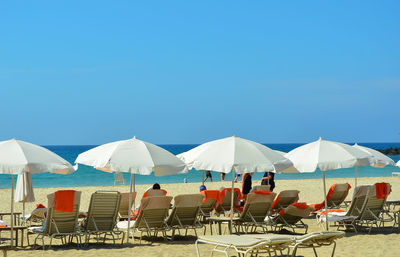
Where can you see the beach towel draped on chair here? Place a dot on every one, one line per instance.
(336, 195)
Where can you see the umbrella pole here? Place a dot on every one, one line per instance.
(326, 203)
(12, 211)
(232, 197)
(23, 203)
(355, 179)
(129, 211)
(203, 179)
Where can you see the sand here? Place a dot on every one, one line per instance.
(384, 243)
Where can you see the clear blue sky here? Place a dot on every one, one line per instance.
(90, 72)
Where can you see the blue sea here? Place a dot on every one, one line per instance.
(88, 176)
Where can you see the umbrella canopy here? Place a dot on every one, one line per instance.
(380, 160)
(17, 157)
(327, 155)
(20, 157)
(24, 190)
(398, 164)
(134, 156)
(234, 153)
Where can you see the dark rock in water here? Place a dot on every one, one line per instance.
(390, 151)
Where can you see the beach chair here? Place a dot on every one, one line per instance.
(284, 199)
(312, 240)
(255, 210)
(245, 245)
(123, 211)
(291, 217)
(102, 215)
(372, 214)
(37, 216)
(4, 248)
(152, 215)
(59, 224)
(208, 203)
(348, 219)
(185, 213)
(260, 188)
(336, 195)
(225, 198)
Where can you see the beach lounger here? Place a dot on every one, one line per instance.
(291, 217)
(225, 199)
(208, 203)
(151, 218)
(255, 210)
(4, 248)
(59, 224)
(284, 199)
(245, 245)
(123, 211)
(336, 195)
(102, 215)
(312, 240)
(185, 213)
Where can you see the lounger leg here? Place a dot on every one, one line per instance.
(315, 251)
(334, 248)
(197, 248)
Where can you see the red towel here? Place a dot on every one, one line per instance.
(38, 206)
(262, 192)
(210, 194)
(382, 190)
(64, 200)
(333, 210)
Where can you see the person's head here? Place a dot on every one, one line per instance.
(202, 188)
(156, 186)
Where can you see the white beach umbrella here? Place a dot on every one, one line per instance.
(234, 154)
(24, 191)
(133, 156)
(380, 160)
(19, 157)
(398, 164)
(327, 155)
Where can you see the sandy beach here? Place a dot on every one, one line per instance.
(376, 244)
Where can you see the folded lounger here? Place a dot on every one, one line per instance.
(246, 244)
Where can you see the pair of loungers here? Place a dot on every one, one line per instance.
(366, 209)
(270, 244)
(101, 219)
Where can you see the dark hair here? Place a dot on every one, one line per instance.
(156, 186)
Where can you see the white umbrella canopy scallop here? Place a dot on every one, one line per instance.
(234, 154)
(132, 156)
(21, 158)
(327, 155)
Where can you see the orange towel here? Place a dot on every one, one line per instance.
(302, 206)
(276, 202)
(333, 210)
(210, 194)
(222, 194)
(381, 190)
(64, 200)
(38, 206)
